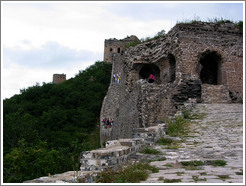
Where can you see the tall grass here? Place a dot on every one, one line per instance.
(148, 150)
(215, 20)
(178, 127)
(146, 39)
(130, 174)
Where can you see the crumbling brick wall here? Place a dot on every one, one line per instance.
(113, 47)
(190, 59)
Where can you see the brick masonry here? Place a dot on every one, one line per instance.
(138, 107)
(198, 61)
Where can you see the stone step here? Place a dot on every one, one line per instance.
(106, 153)
(119, 151)
(124, 142)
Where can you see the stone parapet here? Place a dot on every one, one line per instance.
(118, 152)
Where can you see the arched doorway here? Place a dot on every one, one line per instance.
(211, 68)
(148, 69)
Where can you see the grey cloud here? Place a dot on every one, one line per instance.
(177, 11)
(49, 55)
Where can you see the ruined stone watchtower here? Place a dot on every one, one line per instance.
(59, 78)
(115, 46)
(198, 62)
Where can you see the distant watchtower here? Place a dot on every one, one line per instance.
(115, 46)
(59, 78)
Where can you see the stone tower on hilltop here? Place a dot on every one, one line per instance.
(59, 78)
(197, 62)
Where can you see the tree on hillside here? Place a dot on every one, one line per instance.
(44, 126)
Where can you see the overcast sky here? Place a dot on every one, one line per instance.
(42, 38)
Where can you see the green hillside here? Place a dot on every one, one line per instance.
(46, 127)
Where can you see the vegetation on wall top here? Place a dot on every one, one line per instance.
(217, 21)
(187, 21)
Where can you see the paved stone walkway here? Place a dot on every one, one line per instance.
(218, 136)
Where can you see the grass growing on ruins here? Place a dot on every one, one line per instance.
(216, 162)
(203, 173)
(179, 173)
(239, 173)
(196, 178)
(178, 127)
(148, 150)
(146, 39)
(170, 143)
(186, 113)
(193, 168)
(132, 44)
(171, 180)
(192, 163)
(165, 141)
(216, 21)
(196, 165)
(130, 174)
(224, 177)
(156, 159)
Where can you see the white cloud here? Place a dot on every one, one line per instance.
(16, 77)
(23, 68)
(47, 56)
(78, 26)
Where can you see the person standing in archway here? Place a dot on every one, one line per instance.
(151, 78)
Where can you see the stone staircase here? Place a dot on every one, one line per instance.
(118, 152)
(215, 94)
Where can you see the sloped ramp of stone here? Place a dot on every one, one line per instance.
(214, 140)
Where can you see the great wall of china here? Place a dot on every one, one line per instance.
(195, 65)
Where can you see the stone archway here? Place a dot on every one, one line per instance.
(210, 68)
(148, 69)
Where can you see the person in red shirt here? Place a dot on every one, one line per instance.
(151, 78)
